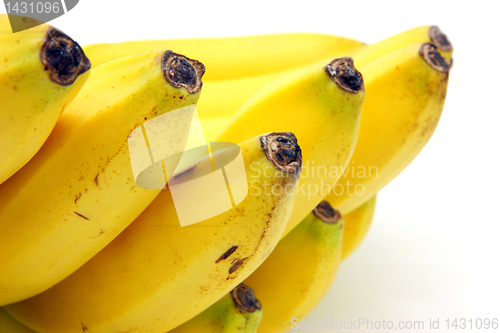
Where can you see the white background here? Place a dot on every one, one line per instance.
(433, 248)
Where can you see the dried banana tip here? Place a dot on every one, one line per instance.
(244, 298)
(63, 57)
(180, 71)
(282, 149)
(327, 213)
(347, 77)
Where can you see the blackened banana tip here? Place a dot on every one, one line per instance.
(282, 149)
(180, 71)
(347, 77)
(439, 39)
(327, 213)
(244, 298)
(431, 55)
(63, 57)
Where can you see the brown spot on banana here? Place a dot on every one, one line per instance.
(78, 197)
(237, 265)
(83, 217)
(226, 254)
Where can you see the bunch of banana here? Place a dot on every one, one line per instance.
(91, 244)
(300, 270)
(245, 73)
(406, 90)
(236, 57)
(78, 192)
(41, 71)
(156, 274)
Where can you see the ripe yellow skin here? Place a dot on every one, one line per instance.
(222, 317)
(298, 273)
(222, 98)
(394, 43)
(234, 57)
(30, 102)
(83, 168)
(404, 100)
(356, 225)
(157, 275)
(324, 118)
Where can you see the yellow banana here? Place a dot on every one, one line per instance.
(10, 325)
(405, 94)
(78, 192)
(216, 109)
(233, 57)
(41, 71)
(356, 225)
(156, 274)
(238, 311)
(300, 270)
(325, 101)
(423, 34)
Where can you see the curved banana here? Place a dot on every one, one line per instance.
(356, 225)
(300, 270)
(10, 325)
(325, 101)
(405, 96)
(78, 192)
(156, 274)
(216, 108)
(422, 34)
(233, 57)
(41, 71)
(238, 311)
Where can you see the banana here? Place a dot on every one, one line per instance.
(238, 311)
(405, 96)
(41, 71)
(78, 192)
(233, 57)
(10, 325)
(422, 34)
(300, 270)
(156, 274)
(216, 109)
(356, 225)
(325, 101)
